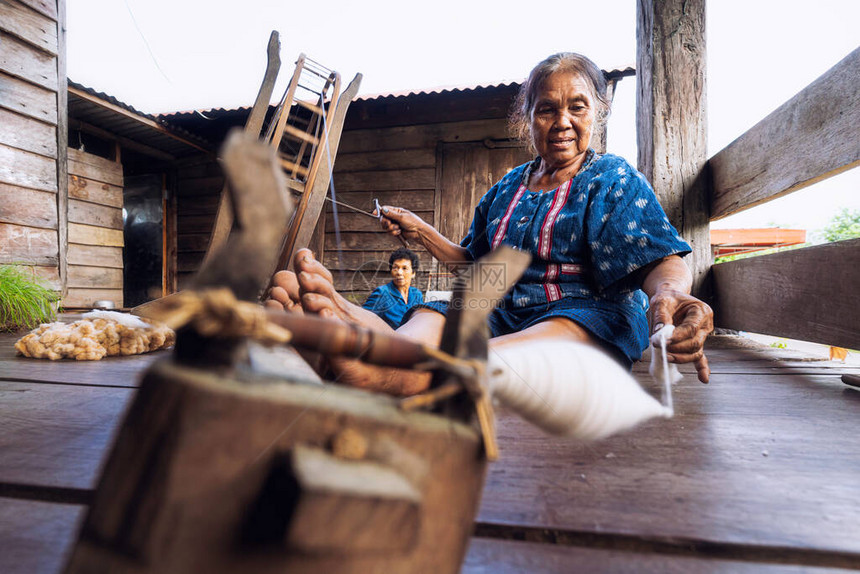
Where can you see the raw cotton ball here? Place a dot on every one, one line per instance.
(98, 335)
(569, 388)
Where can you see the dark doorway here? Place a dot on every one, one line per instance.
(144, 238)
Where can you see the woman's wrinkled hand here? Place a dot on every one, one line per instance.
(399, 221)
(693, 321)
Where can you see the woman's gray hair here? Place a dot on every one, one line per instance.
(520, 120)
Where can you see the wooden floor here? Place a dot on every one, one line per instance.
(758, 472)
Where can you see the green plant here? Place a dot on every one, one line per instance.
(843, 225)
(24, 300)
(779, 345)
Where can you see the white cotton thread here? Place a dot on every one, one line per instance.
(569, 388)
(125, 319)
(661, 370)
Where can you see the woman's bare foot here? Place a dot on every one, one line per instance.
(284, 293)
(318, 297)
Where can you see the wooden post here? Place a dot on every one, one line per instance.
(671, 119)
(62, 151)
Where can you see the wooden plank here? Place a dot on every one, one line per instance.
(91, 235)
(22, 60)
(57, 435)
(94, 277)
(201, 186)
(24, 206)
(79, 298)
(95, 168)
(422, 136)
(22, 244)
(382, 160)
(27, 99)
(46, 7)
(188, 262)
(49, 276)
(95, 255)
(391, 180)
(355, 241)
(494, 556)
(37, 536)
(671, 122)
(94, 214)
(802, 294)
(349, 221)
(195, 223)
(198, 205)
(811, 137)
(27, 169)
(353, 260)
(62, 143)
(124, 142)
(117, 371)
(95, 191)
(728, 469)
(27, 134)
(415, 200)
(193, 242)
(30, 26)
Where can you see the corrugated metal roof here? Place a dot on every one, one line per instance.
(107, 113)
(439, 90)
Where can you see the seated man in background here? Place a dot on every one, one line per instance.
(392, 300)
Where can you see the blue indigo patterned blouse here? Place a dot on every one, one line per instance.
(585, 237)
(387, 302)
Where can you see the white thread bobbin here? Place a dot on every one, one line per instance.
(661, 369)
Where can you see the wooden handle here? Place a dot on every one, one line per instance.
(334, 338)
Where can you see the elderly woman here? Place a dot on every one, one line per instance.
(605, 257)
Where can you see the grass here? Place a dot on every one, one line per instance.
(24, 300)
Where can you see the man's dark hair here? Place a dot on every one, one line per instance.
(403, 253)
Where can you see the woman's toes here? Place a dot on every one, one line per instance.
(306, 262)
(273, 304)
(287, 281)
(318, 304)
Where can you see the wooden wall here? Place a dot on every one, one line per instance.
(198, 188)
(400, 166)
(32, 135)
(95, 230)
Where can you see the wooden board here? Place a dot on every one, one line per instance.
(812, 136)
(748, 459)
(56, 435)
(348, 221)
(94, 277)
(27, 134)
(95, 255)
(385, 160)
(27, 169)
(352, 260)
(95, 191)
(27, 99)
(46, 7)
(36, 536)
(95, 168)
(20, 59)
(414, 200)
(22, 206)
(493, 556)
(391, 180)
(357, 241)
(34, 28)
(671, 120)
(92, 235)
(83, 298)
(109, 372)
(22, 244)
(801, 294)
(422, 136)
(95, 214)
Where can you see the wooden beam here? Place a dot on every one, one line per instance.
(134, 116)
(123, 141)
(62, 151)
(805, 294)
(812, 136)
(671, 119)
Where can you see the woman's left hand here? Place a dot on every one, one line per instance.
(693, 321)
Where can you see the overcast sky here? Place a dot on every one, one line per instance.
(165, 56)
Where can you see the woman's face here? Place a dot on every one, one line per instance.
(402, 273)
(562, 119)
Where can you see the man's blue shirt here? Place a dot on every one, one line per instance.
(387, 302)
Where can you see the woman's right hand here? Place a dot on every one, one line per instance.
(399, 221)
